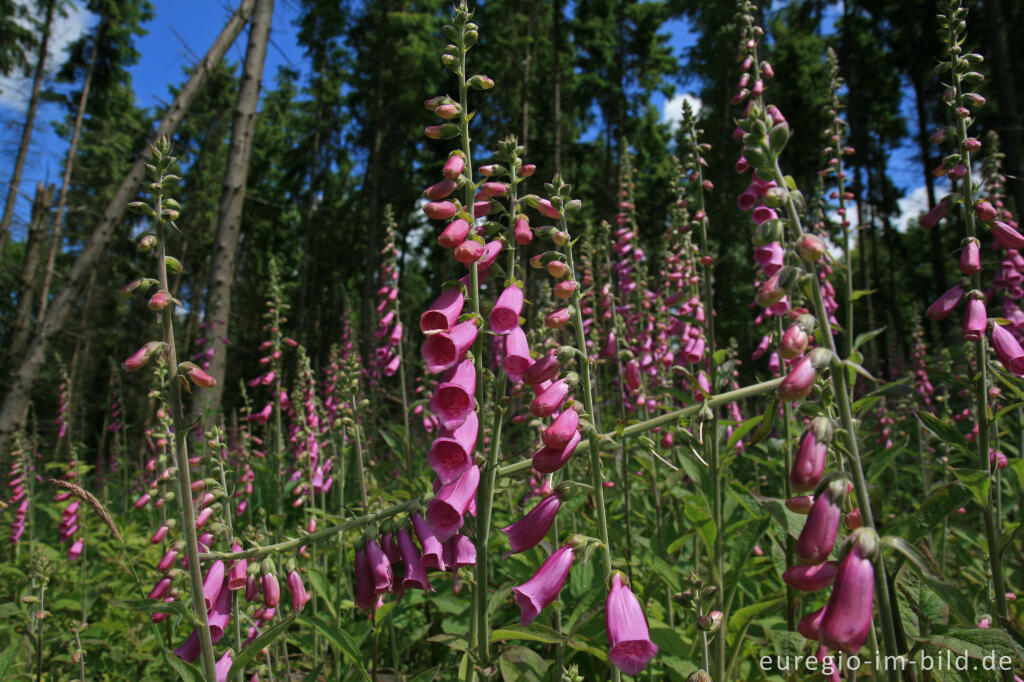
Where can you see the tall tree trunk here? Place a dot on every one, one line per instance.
(525, 139)
(229, 219)
(26, 131)
(995, 29)
(69, 162)
(30, 269)
(557, 31)
(23, 374)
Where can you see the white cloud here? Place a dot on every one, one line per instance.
(911, 207)
(64, 31)
(672, 111)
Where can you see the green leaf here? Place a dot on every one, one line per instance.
(533, 633)
(950, 594)
(974, 641)
(977, 481)
(742, 430)
(158, 606)
(7, 659)
(941, 502)
(339, 639)
(767, 421)
(253, 648)
(945, 432)
(519, 663)
(664, 570)
(860, 293)
(322, 587)
(426, 675)
(186, 671)
(740, 618)
(866, 336)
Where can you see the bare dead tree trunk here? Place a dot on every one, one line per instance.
(229, 220)
(525, 139)
(24, 373)
(55, 240)
(26, 131)
(30, 269)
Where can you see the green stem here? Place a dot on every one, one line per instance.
(180, 453)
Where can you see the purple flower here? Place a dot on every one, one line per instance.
(628, 636)
(528, 531)
(543, 588)
(847, 617)
(445, 512)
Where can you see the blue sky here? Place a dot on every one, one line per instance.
(183, 29)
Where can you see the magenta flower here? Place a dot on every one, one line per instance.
(364, 596)
(211, 583)
(453, 400)
(543, 588)
(794, 342)
(1010, 354)
(517, 355)
(970, 257)
(810, 625)
(770, 257)
(550, 400)
(528, 531)
(297, 590)
(139, 358)
(545, 369)
(628, 636)
(454, 234)
(453, 167)
(847, 617)
(440, 210)
(811, 578)
(445, 512)
(415, 573)
(504, 316)
(271, 590)
(452, 452)
(1007, 237)
(975, 320)
(818, 536)
(223, 666)
(433, 552)
(548, 460)
(380, 567)
(562, 429)
(941, 308)
(443, 312)
(237, 573)
(443, 350)
(932, 217)
(799, 381)
(809, 464)
(220, 614)
(459, 551)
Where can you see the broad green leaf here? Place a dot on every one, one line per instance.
(742, 430)
(186, 671)
(944, 431)
(977, 481)
(253, 648)
(739, 619)
(519, 664)
(581, 644)
(427, 675)
(950, 594)
(866, 336)
(534, 633)
(337, 638)
(322, 587)
(940, 503)
(860, 293)
(974, 641)
(7, 658)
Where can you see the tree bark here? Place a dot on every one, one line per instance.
(229, 221)
(23, 374)
(69, 163)
(26, 131)
(30, 269)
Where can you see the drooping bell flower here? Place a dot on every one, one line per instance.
(380, 567)
(562, 429)
(550, 400)
(453, 400)
(271, 590)
(818, 536)
(212, 582)
(528, 531)
(452, 452)
(548, 460)
(970, 257)
(237, 573)
(517, 355)
(809, 464)
(794, 342)
(415, 573)
(810, 625)
(799, 381)
(522, 232)
(628, 635)
(454, 234)
(543, 588)
(364, 592)
(1009, 351)
(223, 666)
(504, 316)
(1007, 237)
(631, 375)
(453, 167)
(297, 590)
(220, 614)
(190, 650)
(932, 217)
(443, 312)
(943, 306)
(459, 551)
(975, 319)
(445, 511)
(433, 552)
(811, 578)
(545, 369)
(161, 589)
(847, 617)
(770, 257)
(443, 350)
